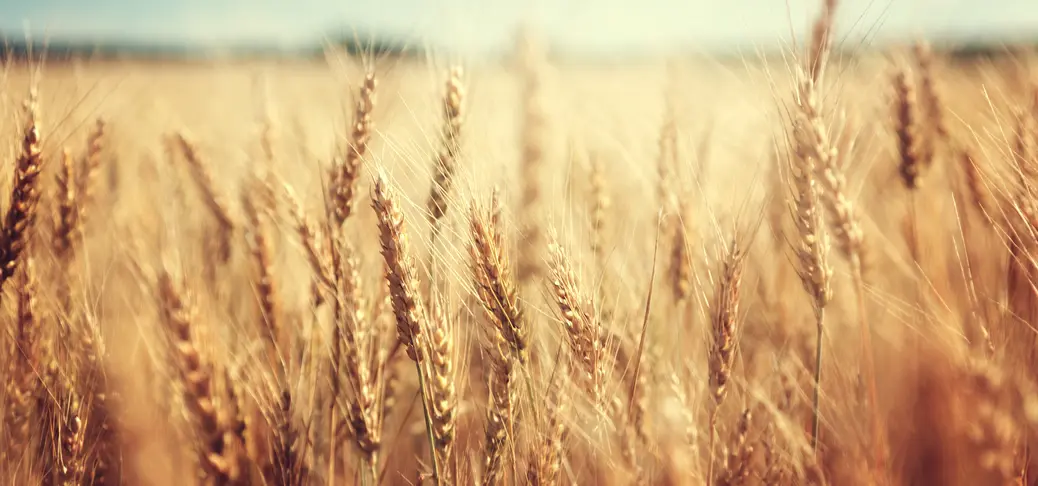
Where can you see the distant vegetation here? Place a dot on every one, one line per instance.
(19, 48)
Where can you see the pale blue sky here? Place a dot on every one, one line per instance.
(481, 25)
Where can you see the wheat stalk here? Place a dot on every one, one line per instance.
(582, 327)
(90, 166)
(500, 408)
(25, 194)
(402, 276)
(447, 159)
(600, 203)
(197, 382)
(22, 366)
(443, 393)
(545, 468)
(401, 271)
(214, 200)
(492, 275)
(346, 172)
(811, 246)
(533, 146)
(266, 287)
(725, 334)
(68, 217)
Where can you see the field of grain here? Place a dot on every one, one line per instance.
(809, 270)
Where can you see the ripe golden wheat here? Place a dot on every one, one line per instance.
(426, 289)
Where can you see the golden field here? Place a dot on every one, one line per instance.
(658, 273)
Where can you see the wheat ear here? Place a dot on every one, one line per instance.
(447, 158)
(725, 334)
(25, 195)
(402, 276)
(346, 172)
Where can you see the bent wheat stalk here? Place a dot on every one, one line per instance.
(725, 331)
(402, 276)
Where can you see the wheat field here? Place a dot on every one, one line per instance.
(814, 268)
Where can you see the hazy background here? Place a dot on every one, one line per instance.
(475, 27)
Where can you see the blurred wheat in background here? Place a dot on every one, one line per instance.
(381, 267)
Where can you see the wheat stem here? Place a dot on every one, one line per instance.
(870, 364)
(713, 440)
(820, 313)
(428, 422)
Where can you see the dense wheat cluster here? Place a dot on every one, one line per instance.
(817, 269)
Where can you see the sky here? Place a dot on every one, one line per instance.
(598, 26)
